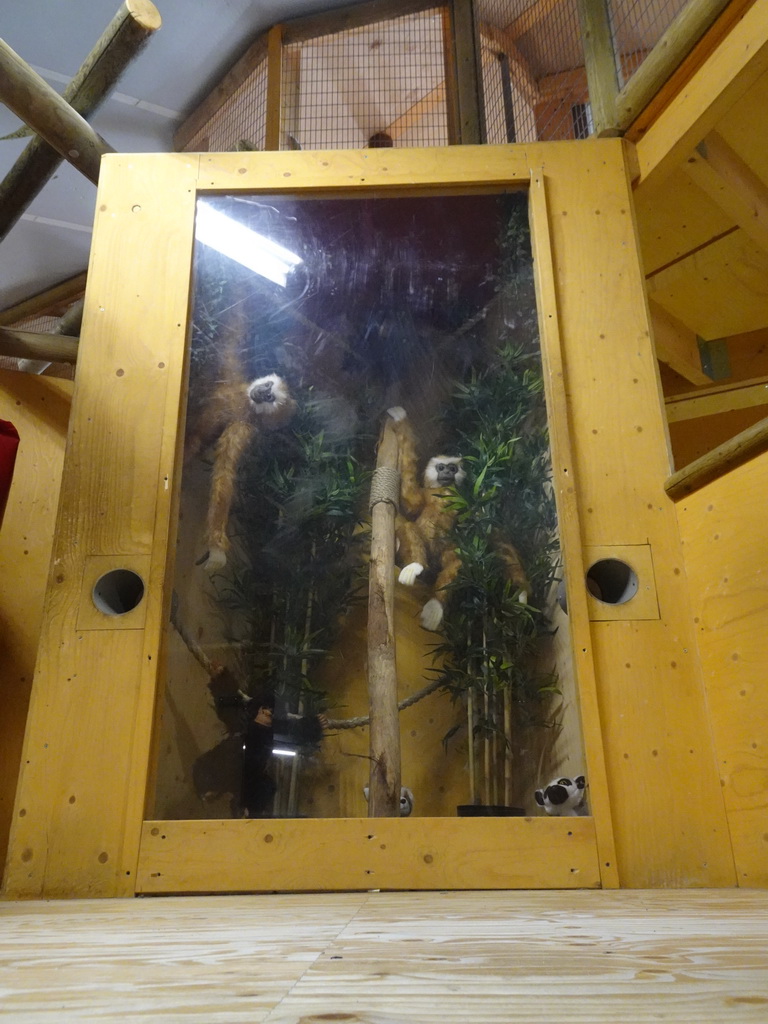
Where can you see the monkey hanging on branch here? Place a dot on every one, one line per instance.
(235, 412)
(425, 521)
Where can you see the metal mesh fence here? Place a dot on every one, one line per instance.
(637, 26)
(534, 83)
(241, 121)
(379, 85)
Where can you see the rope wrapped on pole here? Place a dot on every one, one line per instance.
(385, 486)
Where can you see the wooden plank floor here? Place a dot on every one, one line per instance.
(583, 957)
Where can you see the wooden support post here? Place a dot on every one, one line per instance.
(274, 86)
(469, 77)
(122, 40)
(384, 791)
(31, 98)
(600, 63)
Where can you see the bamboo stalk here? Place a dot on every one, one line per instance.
(471, 744)
(507, 748)
(120, 43)
(384, 785)
(39, 105)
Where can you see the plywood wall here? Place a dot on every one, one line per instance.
(726, 560)
(39, 409)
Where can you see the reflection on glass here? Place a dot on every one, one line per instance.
(316, 322)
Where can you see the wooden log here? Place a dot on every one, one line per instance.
(666, 56)
(732, 453)
(51, 348)
(384, 785)
(50, 301)
(39, 105)
(600, 63)
(122, 40)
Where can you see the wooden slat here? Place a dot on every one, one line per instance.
(722, 174)
(746, 394)
(736, 64)
(274, 87)
(432, 853)
(566, 489)
(728, 456)
(90, 717)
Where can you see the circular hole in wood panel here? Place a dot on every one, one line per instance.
(612, 581)
(118, 591)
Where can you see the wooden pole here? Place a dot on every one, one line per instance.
(666, 56)
(120, 43)
(600, 64)
(49, 348)
(49, 302)
(39, 105)
(384, 785)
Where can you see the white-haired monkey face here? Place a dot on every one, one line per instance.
(267, 394)
(444, 471)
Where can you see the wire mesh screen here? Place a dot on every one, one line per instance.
(534, 82)
(240, 122)
(379, 85)
(637, 26)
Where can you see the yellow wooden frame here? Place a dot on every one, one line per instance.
(79, 826)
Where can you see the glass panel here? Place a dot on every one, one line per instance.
(316, 325)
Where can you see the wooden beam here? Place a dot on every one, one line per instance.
(693, 405)
(468, 73)
(51, 348)
(732, 453)
(732, 184)
(416, 113)
(39, 105)
(677, 345)
(274, 87)
(518, 66)
(669, 52)
(50, 302)
(356, 15)
(732, 69)
(123, 39)
(600, 62)
(531, 17)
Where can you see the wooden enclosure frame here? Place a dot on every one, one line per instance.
(79, 823)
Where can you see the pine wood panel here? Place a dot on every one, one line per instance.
(726, 552)
(719, 290)
(382, 958)
(81, 791)
(366, 853)
(670, 828)
(39, 409)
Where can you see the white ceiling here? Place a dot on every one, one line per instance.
(199, 40)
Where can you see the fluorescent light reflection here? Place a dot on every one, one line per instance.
(254, 251)
(283, 752)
